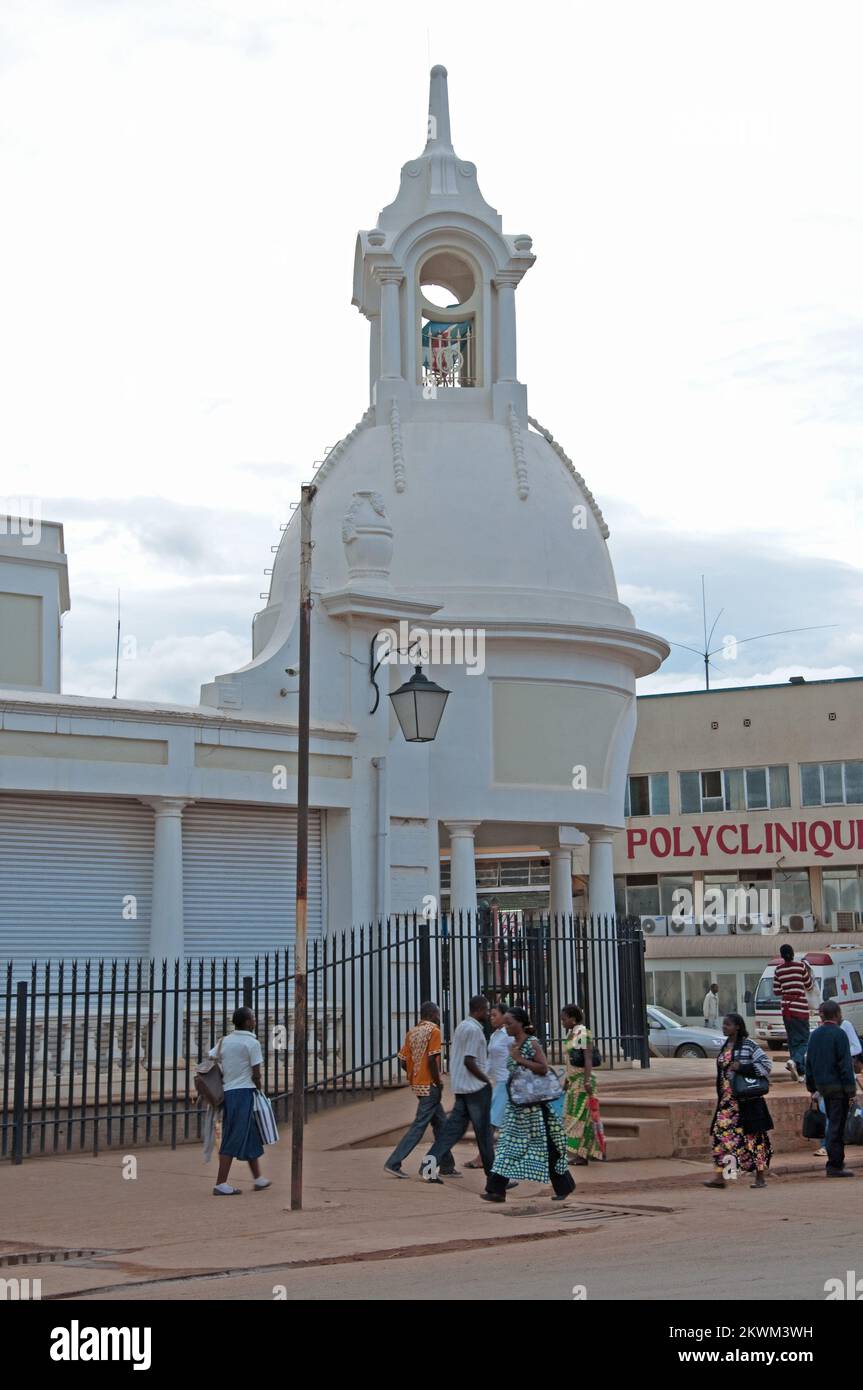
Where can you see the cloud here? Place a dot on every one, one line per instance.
(170, 669)
(653, 600)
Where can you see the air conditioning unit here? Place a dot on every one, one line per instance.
(682, 926)
(845, 921)
(714, 926)
(654, 926)
(800, 921)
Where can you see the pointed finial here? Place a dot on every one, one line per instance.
(438, 122)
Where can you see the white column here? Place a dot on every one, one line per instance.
(601, 883)
(462, 895)
(166, 920)
(602, 951)
(564, 984)
(560, 884)
(464, 966)
(390, 319)
(506, 343)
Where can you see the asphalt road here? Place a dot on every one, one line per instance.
(783, 1243)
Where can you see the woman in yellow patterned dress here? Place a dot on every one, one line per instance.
(581, 1119)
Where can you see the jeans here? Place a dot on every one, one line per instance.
(836, 1106)
(798, 1040)
(429, 1112)
(471, 1107)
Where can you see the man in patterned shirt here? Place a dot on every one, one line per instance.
(791, 980)
(420, 1059)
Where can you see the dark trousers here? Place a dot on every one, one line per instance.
(798, 1040)
(471, 1107)
(837, 1113)
(429, 1112)
(562, 1183)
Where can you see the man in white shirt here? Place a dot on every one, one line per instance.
(711, 1007)
(468, 1063)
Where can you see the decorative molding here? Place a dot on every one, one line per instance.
(388, 274)
(350, 530)
(568, 463)
(523, 487)
(338, 449)
(399, 471)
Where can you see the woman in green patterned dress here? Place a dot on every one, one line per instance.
(531, 1146)
(581, 1120)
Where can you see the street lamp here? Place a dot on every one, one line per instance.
(419, 706)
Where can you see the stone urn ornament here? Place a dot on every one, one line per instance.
(367, 536)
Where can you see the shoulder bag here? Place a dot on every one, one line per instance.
(209, 1082)
(526, 1087)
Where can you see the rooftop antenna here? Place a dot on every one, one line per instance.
(117, 657)
(706, 653)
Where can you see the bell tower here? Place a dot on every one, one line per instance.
(436, 278)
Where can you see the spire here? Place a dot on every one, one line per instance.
(439, 137)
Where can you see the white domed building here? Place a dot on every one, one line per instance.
(148, 828)
(449, 510)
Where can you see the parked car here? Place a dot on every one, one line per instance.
(669, 1036)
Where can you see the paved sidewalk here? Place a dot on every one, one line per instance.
(166, 1223)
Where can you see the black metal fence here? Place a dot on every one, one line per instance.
(103, 1053)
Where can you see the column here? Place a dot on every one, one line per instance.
(601, 881)
(506, 343)
(390, 321)
(603, 966)
(166, 920)
(464, 965)
(562, 957)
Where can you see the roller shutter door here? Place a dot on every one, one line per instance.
(66, 866)
(239, 880)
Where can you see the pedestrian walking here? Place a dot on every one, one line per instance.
(582, 1123)
(741, 1124)
(471, 1085)
(498, 1053)
(791, 981)
(710, 1008)
(830, 1072)
(531, 1144)
(420, 1059)
(240, 1057)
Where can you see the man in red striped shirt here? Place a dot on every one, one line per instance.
(791, 980)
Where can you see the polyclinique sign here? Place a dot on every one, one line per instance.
(825, 838)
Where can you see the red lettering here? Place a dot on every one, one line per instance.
(702, 838)
(859, 825)
(633, 839)
(837, 838)
(823, 851)
(788, 836)
(744, 842)
(681, 853)
(654, 842)
(768, 838)
(720, 839)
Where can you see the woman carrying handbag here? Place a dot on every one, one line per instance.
(741, 1121)
(531, 1145)
(240, 1057)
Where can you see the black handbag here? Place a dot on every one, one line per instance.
(814, 1124)
(576, 1056)
(747, 1087)
(854, 1124)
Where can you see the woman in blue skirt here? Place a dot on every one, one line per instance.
(240, 1056)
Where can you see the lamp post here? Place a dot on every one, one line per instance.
(298, 1095)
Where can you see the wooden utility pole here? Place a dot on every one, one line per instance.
(298, 1094)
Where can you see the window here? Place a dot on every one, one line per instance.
(696, 984)
(857, 982)
(831, 784)
(841, 888)
(670, 884)
(642, 895)
(734, 789)
(647, 795)
(666, 988)
(794, 892)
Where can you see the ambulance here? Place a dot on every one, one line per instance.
(838, 974)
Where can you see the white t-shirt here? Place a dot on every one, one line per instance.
(240, 1052)
(848, 1027)
(499, 1045)
(468, 1040)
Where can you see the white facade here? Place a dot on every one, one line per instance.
(447, 509)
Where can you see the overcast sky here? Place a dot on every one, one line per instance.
(182, 183)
